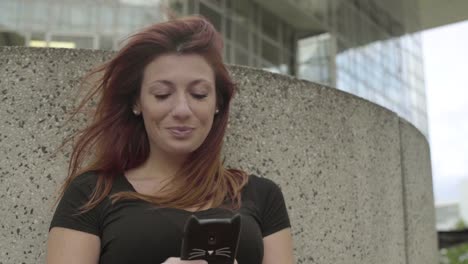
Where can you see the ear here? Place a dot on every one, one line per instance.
(136, 108)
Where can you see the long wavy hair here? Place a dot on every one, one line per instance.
(116, 140)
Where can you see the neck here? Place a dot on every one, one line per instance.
(160, 167)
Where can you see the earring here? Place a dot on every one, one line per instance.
(216, 111)
(136, 112)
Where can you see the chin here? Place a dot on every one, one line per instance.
(181, 150)
(178, 148)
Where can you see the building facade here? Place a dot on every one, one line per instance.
(359, 46)
(447, 216)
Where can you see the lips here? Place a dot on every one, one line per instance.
(180, 131)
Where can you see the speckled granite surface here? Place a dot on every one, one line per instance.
(338, 159)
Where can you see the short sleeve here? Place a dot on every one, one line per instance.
(67, 213)
(274, 214)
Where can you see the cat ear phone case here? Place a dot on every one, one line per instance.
(214, 240)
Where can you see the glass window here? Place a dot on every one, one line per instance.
(287, 59)
(227, 52)
(35, 13)
(127, 19)
(270, 25)
(106, 43)
(141, 17)
(240, 22)
(78, 42)
(284, 69)
(227, 28)
(37, 36)
(241, 57)
(80, 17)
(241, 35)
(288, 39)
(257, 44)
(11, 38)
(191, 6)
(241, 9)
(270, 53)
(37, 40)
(217, 3)
(212, 15)
(177, 6)
(9, 11)
(106, 18)
(270, 67)
(58, 17)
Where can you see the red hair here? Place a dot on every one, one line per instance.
(116, 139)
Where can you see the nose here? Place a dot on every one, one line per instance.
(181, 108)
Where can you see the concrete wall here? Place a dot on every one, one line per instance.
(418, 198)
(356, 178)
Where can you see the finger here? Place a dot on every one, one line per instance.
(173, 260)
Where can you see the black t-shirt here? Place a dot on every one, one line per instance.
(137, 232)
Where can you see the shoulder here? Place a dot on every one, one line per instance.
(261, 188)
(85, 180)
(269, 202)
(70, 211)
(82, 185)
(261, 182)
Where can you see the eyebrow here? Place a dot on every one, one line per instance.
(171, 84)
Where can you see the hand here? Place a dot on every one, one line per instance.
(178, 261)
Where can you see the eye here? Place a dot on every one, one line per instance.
(199, 96)
(161, 96)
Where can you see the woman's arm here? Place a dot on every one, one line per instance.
(278, 248)
(72, 247)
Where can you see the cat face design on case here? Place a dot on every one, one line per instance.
(198, 252)
(214, 240)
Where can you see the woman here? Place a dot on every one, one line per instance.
(151, 157)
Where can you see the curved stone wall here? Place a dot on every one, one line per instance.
(356, 178)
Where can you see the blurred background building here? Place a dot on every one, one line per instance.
(449, 215)
(371, 48)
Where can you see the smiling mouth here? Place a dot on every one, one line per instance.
(181, 132)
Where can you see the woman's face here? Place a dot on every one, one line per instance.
(177, 102)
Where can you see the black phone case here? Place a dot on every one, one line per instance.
(214, 240)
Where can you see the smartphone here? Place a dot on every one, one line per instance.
(214, 240)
